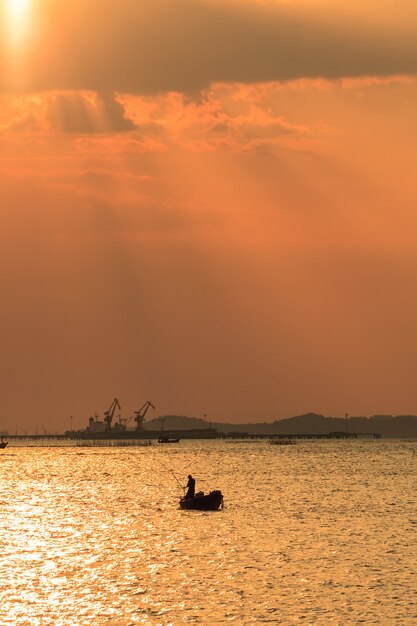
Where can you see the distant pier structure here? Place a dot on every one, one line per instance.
(209, 433)
(331, 435)
(342, 435)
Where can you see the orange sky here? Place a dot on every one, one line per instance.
(210, 205)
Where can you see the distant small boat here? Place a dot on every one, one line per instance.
(167, 440)
(282, 442)
(211, 502)
(3, 444)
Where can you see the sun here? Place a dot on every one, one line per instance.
(16, 7)
(17, 15)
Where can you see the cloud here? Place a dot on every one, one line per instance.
(87, 114)
(185, 45)
(23, 123)
(80, 113)
(223, 118)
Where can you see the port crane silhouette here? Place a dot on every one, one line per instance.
(108, 415)
(140, 415)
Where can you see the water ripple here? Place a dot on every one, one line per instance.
(318, 533)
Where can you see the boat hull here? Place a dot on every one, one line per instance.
(167, 440)
(211, 502)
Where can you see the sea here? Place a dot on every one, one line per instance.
(320, 532)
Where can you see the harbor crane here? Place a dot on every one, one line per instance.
(108, 415)
(140, 415)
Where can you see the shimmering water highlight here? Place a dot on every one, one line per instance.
(317, 533)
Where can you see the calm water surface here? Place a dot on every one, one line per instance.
(316, 533)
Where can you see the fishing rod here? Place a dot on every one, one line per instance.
(172, 472)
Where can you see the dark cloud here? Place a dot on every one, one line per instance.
(75, 113)
(137, 46)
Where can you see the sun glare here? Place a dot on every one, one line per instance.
(17, 13)
(17, 7)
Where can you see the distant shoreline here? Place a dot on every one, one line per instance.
(307, 425)
(310, 423)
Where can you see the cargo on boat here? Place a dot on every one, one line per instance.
(210, 502)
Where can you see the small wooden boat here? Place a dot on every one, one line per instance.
(167, 440)
(3, 444)
(210, 502)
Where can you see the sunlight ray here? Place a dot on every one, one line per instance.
(16, 18)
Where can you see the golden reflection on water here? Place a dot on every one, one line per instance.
(317, 533)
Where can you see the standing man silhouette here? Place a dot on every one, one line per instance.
(190, 487)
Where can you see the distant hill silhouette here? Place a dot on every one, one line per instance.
(310, 423)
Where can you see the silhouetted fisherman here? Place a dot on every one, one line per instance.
(190, 487)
